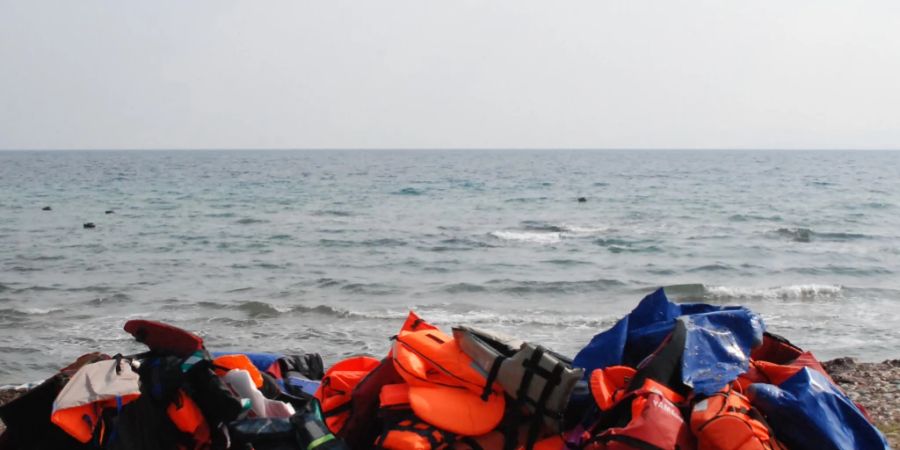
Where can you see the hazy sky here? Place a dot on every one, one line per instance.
(450, 74)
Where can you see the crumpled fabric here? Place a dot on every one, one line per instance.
(717, 347)
(808, 412)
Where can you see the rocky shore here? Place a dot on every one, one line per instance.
(876, 386)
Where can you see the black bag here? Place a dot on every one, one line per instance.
(27, 420)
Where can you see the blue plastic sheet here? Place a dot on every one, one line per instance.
(717, 345)
(808, 412)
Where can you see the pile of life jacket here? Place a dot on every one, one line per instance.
(176, 396)
(469, 390)
(665, 377)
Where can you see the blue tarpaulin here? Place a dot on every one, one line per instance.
(808, 412)
(717, 344)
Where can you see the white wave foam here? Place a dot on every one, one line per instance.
(583, 230)
(37, 311)
(798, 291)
(534, 237)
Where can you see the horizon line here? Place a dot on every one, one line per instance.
(451, 149)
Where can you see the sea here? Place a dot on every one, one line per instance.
(328, 251)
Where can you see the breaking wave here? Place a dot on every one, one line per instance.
(728, 293)
(536, 232)
(525, 287)
(534, 237)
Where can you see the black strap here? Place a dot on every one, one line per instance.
(427, 432)
(472, 443)
(665, 365)
(492, 376)
(343, 407)
(530, 363)
(541, 408)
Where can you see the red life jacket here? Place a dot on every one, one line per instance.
(336, 390)
(646, 418)
(775, 361)
(727, 421)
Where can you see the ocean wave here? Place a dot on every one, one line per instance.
(841, 270)
(386, 242)
(458, 244)
(115, 298)
(534, 237)
(619, 245)
(533, 225)
(627, 249)
(371, 289)
(258, 309)
(249, 221)
(753, 217)
(409, 191)
(797, 291)
(877, 205)
(545, 287)
(806, 235)
(537, 232)
(703, 292)
(718, 267)
(22, 312)
(566, 262)
(41, 257)
(332, 213)
(526, 199)
(455, 314)
(463, 288)
(445, 317)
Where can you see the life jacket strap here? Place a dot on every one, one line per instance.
(344, 407)
(492, 376)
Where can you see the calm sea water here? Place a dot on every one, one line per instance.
(326, 251)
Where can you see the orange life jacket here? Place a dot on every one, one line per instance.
(224, 363)
(447, 389)
(186, 415)
(610, 384)
(404, 431)
(94, 387)
(727, 421)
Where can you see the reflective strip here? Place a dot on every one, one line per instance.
(191, 360)
(317, 442)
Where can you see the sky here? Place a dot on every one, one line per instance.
(172, 74)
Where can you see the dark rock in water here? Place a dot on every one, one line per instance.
(90, 225)
(582, 200)
(109, 211)
(46, 208)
